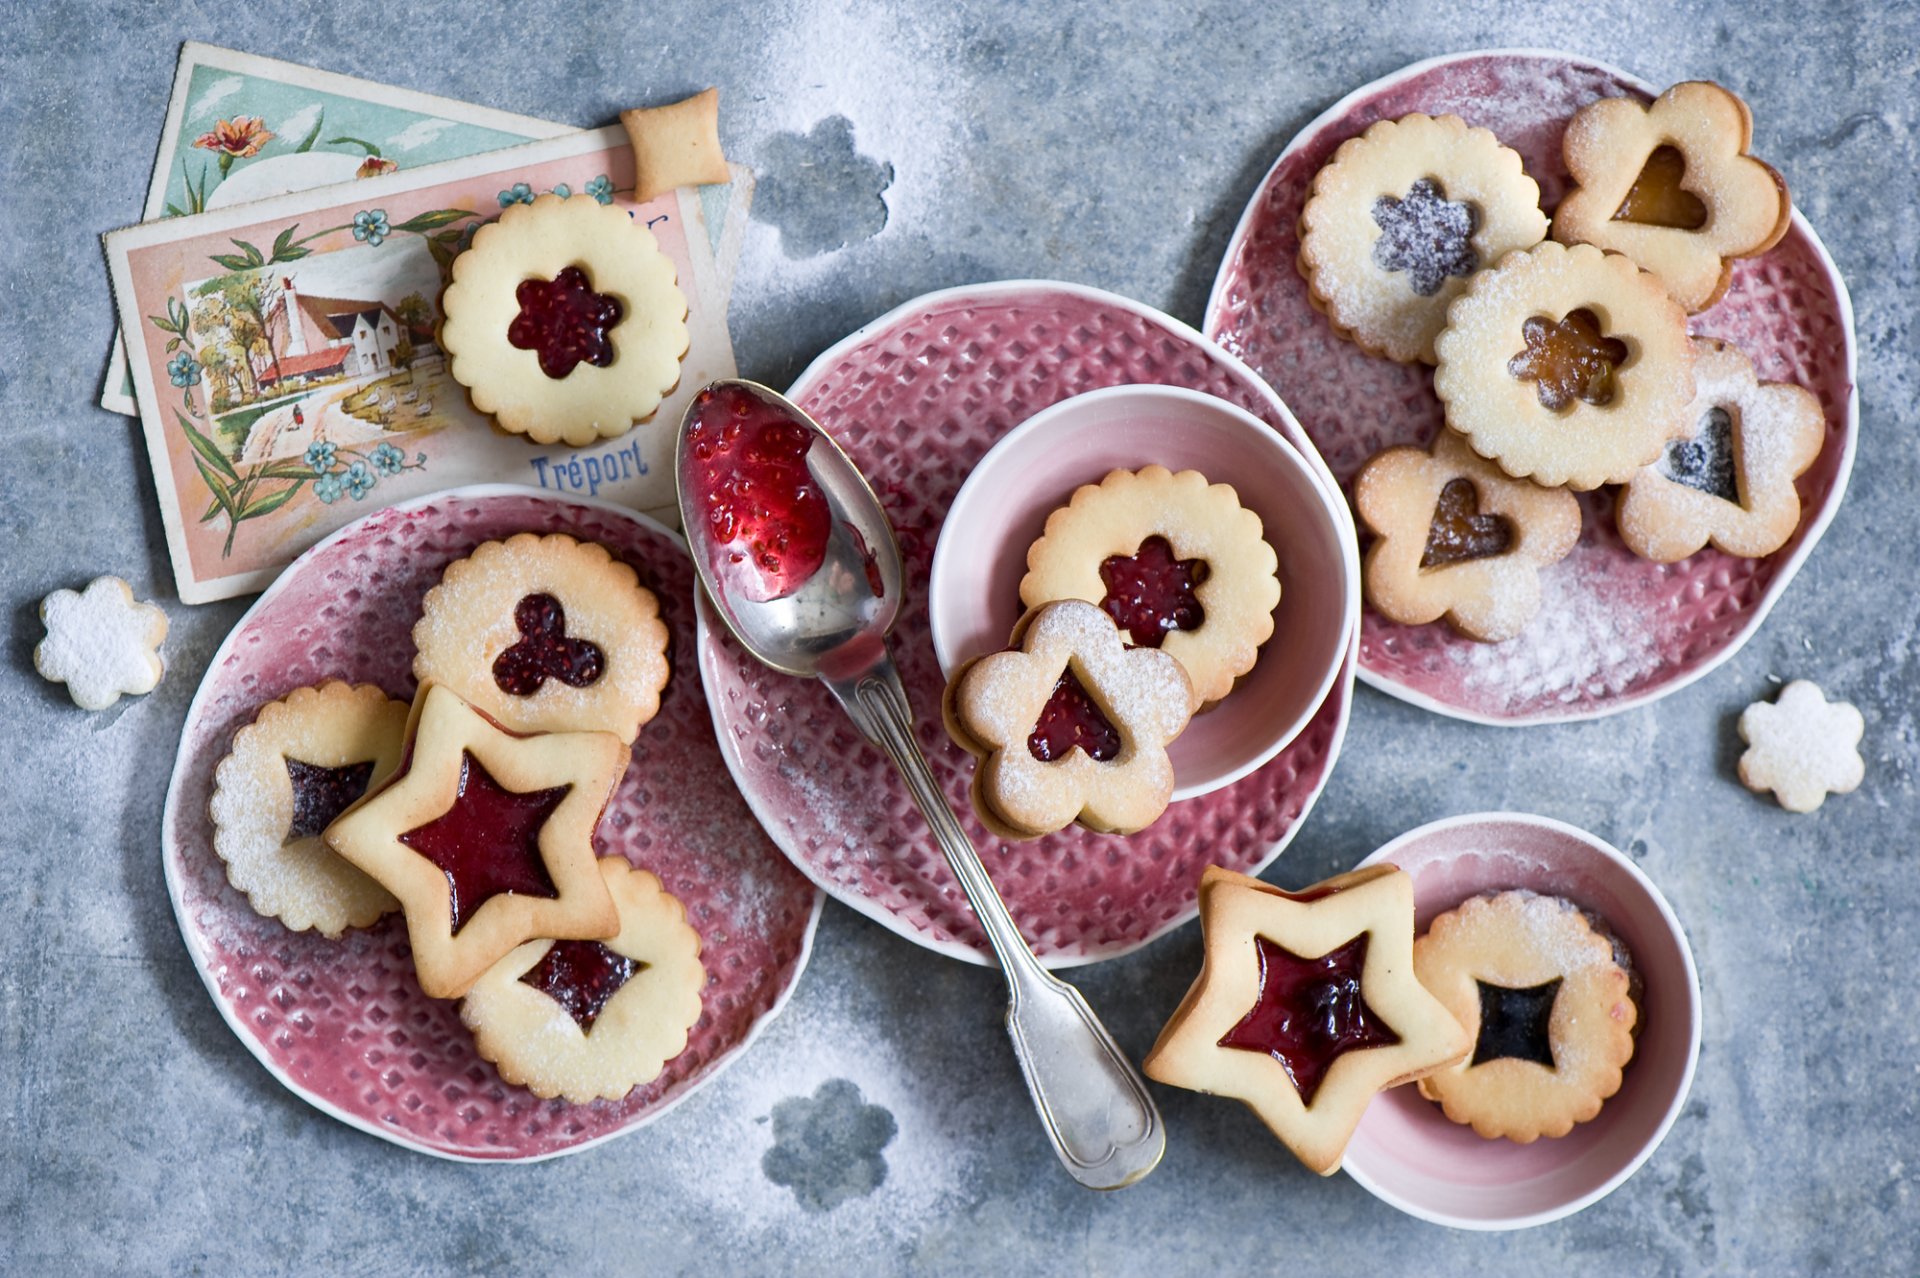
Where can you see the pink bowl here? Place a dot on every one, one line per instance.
(1407, 1153)
(974, 593)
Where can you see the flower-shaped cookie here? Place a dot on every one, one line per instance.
(1802, 747)
(1671, 185)
(1306, 1005)
(1567, 366)
(1400, 217)
(1732, 482)
(101, 643)
(564, 320)
(486, 838)
(1457, 537)
(1069, 724)
(594, 1019)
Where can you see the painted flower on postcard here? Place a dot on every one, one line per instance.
(237, 139)
(375, 166)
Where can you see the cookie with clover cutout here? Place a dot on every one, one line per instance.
(1672, 186)
(1069, 724)
(1400, 217)
(1732, 482)
(588, 1020)
(546, 634)
(1306, 1005)
(302, 761)
(1567, 366)
(564, 321)
(1179, 563)
(1456, 537)
(1802, 747)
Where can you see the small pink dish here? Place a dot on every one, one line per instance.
(1408, 1154)
(981, 555)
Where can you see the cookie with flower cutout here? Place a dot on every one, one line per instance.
(1177, 562)
(564, 321)
(1671, 185)
(1567, 366)
(592, 1020)
(303, 760)
(546, 634)
(486, 838)
(1456, 537)
(1069, 724)
(1400, 217)
(1802, 747)
(101, 642)
(1731, 483)
(1306, 1005)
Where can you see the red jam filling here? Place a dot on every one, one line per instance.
(1310, 1012)
(1516, 1023)
(564, 322)
(1459, 533)
(1070, 720)
(1150, 593)
(544, 651)
(581, 976)
(488, 842)
(766, 516)
(320, 794)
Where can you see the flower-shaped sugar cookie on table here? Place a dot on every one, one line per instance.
(101, 642)
(1802, 747)
(1070, 724)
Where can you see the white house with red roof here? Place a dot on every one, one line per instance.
(320, 337)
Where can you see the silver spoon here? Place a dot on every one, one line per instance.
(832, 626)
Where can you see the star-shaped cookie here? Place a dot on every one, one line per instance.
(486, 838)
(1306, 1005)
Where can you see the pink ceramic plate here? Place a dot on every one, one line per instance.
(916, 398)
(343, 1023)
(1616, 631)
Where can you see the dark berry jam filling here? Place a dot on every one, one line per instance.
(581, 976)
(1516, 1024)
(488, 842)
(1071, 720)
(1151, 594)
(321, 794)
(564, 322)
(746, 460)
(545, 652)
(1310, 1012)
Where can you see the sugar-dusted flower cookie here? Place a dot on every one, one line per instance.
(676, 145)
(1069, 724)
(1306, 1005)
(1400, 217)
(1802, 747)
(1567, 366)
(486, 838)
(564, 320)
(1548, 1000)
(546, 634)
(592, 1020)
(101, 642)
(1179, 563)
(1671, 185)
(1456, 537)
(302, 761)
(1731, 483)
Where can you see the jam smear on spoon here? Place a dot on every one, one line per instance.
(766, 514)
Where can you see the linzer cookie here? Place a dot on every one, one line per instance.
(546, 634)
(1731, 483)
(1671, 185)
(1069, 724)
(1398, 220)
(302, 761)
(1456, 537)
(564, 320)
(1567, 366)
(1548, 1001)
(1179, 563)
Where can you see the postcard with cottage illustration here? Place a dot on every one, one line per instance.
(242, 128)
(284, 362)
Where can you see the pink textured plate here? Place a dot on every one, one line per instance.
(1405, 1150)
(343, 1023)
(1616, 631)
(916, 398)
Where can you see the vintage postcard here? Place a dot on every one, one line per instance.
(285, 369)
(242, 128)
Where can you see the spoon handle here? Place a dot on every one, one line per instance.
(1103, 1125)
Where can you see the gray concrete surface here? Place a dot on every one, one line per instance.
(1114, 145)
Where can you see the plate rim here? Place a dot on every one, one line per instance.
(1788, 569)
(176, 783)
